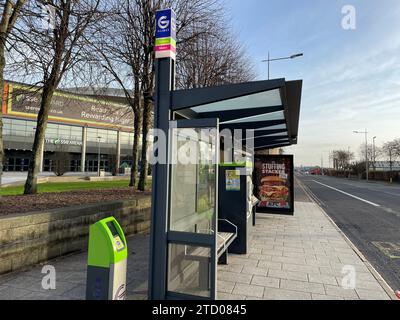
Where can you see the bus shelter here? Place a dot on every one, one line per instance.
(188, 237)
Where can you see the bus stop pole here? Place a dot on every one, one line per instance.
(165, 83)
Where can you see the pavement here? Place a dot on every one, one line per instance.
(368, 214)
(304, 257)
(17, 178)
(9, 178)
(71, 277)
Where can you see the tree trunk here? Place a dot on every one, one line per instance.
(2, 66)
(145, 131)
(136, 131)
(134, 167)
(38, 144)
(136, 137)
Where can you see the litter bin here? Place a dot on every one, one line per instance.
(107, 261)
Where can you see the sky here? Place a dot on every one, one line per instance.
(351, 77)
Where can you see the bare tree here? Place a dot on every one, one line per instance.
(126, 53)
(118, 52)
(394, 146)
(391, 150)
(130, 42)
(199, 29)
(10, 13)
(48, 53)
(213, 59)
(373, 153)
(61, 161)
(342, 159)
(146, 19)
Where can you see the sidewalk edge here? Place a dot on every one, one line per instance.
(389, 291)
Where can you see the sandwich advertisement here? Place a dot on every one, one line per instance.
(273, 181)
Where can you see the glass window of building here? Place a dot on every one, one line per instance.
(31, 125)
(7, 127)
(64, 132)
(92, 135)
(103, 135)
(52, 131)
(18, 128)
(76, 133)
(112, 137)
(126, 139)
(30, 128)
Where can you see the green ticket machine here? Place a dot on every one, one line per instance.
(107, 260)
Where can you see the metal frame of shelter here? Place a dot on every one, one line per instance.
(270, 108)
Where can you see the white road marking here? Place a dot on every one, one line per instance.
(370, 188)
(348, 194)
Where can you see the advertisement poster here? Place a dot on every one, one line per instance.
(232, 180)
(274, 186)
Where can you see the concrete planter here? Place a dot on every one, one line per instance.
(32, 238)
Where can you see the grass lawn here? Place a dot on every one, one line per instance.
(69, 186)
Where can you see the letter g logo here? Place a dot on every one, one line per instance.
(163, 23)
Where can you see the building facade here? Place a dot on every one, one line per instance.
(80, 128)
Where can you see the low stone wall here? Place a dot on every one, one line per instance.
(32, 238)
(107, 178)
(64, 179)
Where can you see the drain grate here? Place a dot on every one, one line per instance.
(389, 249)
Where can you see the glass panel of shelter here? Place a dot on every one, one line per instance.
(193, 179)
(271, 98)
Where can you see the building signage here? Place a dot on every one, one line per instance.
(25, 101)
(64, 142)
(273, 181)
(165, 46)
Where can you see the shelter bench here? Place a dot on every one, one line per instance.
(227, 233)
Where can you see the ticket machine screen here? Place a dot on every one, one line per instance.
(117, 240)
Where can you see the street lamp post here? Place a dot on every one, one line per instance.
(391, 165)
(374, 154)
(283, 58)
(98, 157)
(366, 152)
(322, 165)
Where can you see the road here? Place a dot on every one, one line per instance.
(369, 215)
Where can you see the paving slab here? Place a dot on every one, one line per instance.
(255, 271)
(249, 290)
(266, 282)
(283, 294)
(324, 297)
